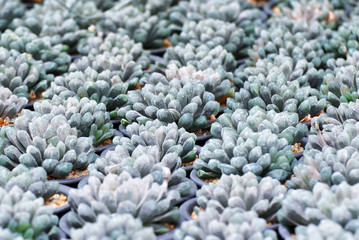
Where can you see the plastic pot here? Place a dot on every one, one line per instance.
(186, 209)
(99, 150)
(158, 52)
(63, 209)
(158, 59)
(70, 182)
(285, 232)
(201, 140)
(116, 123)
(29, 106)
(196, 179)
(267, 8)
(83, 182)
(122, 129)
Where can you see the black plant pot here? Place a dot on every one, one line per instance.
(63, 209)
(267, 8)
(159, 51)
(158, 59)
(186, 209)
(122, 129)
(70, 182)
(75, 57)
(285, 232)
(64, 226)
(83, 182)
(196, 179)
(99, 150)
(29, 106)
(116, 123)
(201, 140)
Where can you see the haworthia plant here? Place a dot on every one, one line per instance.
(284, 124)
(333, 135)
(112, 227)
(10, 104)
(339, 204)
(106, 87)
(232, 223)
(22, 40)
(46, 141)
(88, 117)
(150, 30)
(33, 180)
(10, 10)
(326, 229)
(21, 74)
(143, 198)
(244, 192)
(115, 45)
(25, 217)
(213, 33)
(201, 57)
(180, 97)
(139, 161)
(330, 166)
(168, 138)
(262, 153)
(279, 86)
(340, 85)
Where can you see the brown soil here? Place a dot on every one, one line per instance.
(210, 180)
(35, 97)
(297, 148)
(222, 100)
(169, 226)
(4, 122)
(73, 174)
(138, 86)
(308, 118)
(257, 2)
(107, 142)
(188, 163)
(56, 201)
(276, 10)
(166, 43)
(202, 132)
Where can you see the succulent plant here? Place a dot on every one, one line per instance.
(143, 198)
(33, 180)
(262, 153)
(25, 216)
(312, 10)
(180, 97)
(168, 138)
(115, 226)
(245, 192)
(330, 166)
(279, 86)
(231, 224)
(303, 207)
(298, 40)
(212, 33)
(283, 124)
(150, 30)
(119, 47)
(340, 85)
(106, 87)
(333, 135)
(138, 161)
(342, 113)
(10, 104)
(22, 40)
(201, 57)
(88, 117)
(326, 229)
(22, 75)
(46, 141)
(10, 10)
